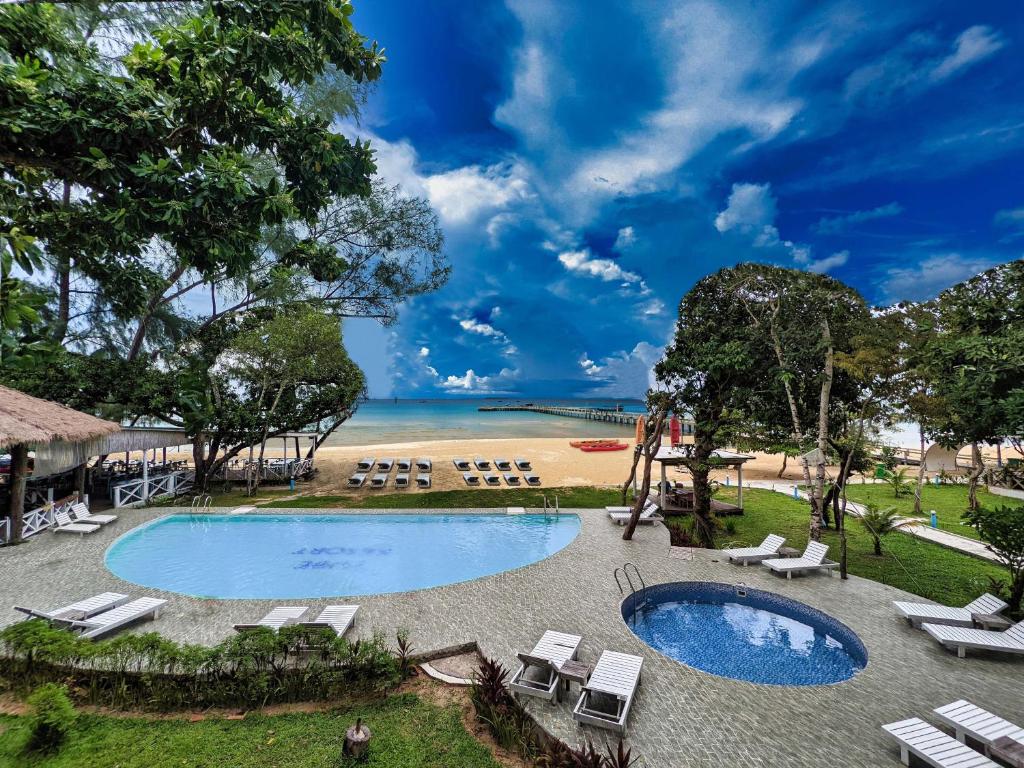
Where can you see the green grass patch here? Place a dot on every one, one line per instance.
(407, 732)
(470, 498)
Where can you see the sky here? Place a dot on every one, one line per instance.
(590, 160)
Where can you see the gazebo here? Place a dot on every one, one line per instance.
(675, 457)
(28, 422)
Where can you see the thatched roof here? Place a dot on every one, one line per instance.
(27, 419)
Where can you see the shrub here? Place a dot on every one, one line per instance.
(51, 718)
(1003, 528)
(880, 522)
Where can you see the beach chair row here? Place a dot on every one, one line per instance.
(490, 478)
(483, 465)
(384, 466)
(79, 520)
(979, 736)
(767, 554)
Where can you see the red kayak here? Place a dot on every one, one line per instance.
(582, 443)
(604, 447)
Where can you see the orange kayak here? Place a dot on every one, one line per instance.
(604, 447)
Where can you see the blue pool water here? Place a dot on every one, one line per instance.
(760, 637)
(292, 556)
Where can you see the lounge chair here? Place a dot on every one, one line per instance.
(424, 465)
(538, 671)
(961, 638)
(766, 550)
(81, 609)
(511, 479)
(278, 617)
(335, 617)
(813, 559)
(531, 479)
(462, 465)
(106, 622)
(357, 480)
(929, 744)
(648, 516)
(385, 465)
(470, 478)
(491, 479)
(402, 480)
(66, 525)
(919, 613)
(404, 465)
(422, 481)
(81, 514)
(379, 480)
(503, 465)
(481, 463)
(608, 695)
(365, 465)
(522, 465)
(972, 722)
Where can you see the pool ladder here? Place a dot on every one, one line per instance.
(632, 588)
(549, 509)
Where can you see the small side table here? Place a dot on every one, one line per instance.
(992, 621)
(1009, 750)
(788, 552)
(574, 671)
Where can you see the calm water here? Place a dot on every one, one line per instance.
(307, 556)
(385, 421)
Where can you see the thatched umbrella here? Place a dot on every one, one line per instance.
(27, 422)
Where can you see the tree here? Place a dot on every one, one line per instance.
(1003, 528)
(879, 523)
(658, 408)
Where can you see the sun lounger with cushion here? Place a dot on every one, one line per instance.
(402, 480)
(511, 479)
(766, 550)
(503, 465)
(66, 525)
(961, 638)
(481, 463)
(970, 721)
(384, 465)
(365, 465)
(357, 480)
(919, 613)
(424, 465)
(470, 478)
(531, 479)
(115, 618)
(538, 671)
(462, 465)
(404, 465)
(81, 609)
(608, 695)
(278, 617)
(522, 465)
(379, 480)
(491, 479)
(81, 513)
(648, 516)
(930, 745)
(338, 618)
(813, 559)
(422, 481)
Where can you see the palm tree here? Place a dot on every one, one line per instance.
(897, 480)
(881, 522)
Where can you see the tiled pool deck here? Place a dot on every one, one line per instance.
(682, 717)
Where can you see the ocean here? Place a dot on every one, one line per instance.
(390, 421)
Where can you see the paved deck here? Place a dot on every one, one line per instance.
(682, 717)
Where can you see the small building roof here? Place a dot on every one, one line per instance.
(32, 421)
(721, 456)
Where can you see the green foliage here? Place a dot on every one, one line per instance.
(897, 481)
(879, 522)
(1003, 528)
(147, 671)
(949, 502)
(51, 720)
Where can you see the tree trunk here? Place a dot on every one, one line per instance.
(1016, 594)
(785, 460)
(63, 270)
(878, 546)
(704, 522)
(652, 443)
(920, 474)
(817, 495)
(199, 459)
(637, 453)
(263, 442)
(978, 467)
(151, 305)
(19, 473)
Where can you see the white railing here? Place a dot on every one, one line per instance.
(139, 491)
(302, 468)
(38, 519)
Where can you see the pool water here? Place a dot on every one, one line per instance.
(752, 635)
(292, 556)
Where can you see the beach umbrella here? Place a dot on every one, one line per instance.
(675, 430)
(639, 430)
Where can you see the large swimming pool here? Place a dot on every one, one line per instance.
(290, 556)
(746, 634)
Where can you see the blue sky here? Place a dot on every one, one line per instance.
(590, 160)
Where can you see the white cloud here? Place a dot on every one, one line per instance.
(626, 374)
(424, 351)
(462, 194)
(751, 208)
(625, 239)
(475, 326)
(831, 225)
(932, 275)
(829, 262)
(581, 262)
(972, 45)
(471, 384)
(1009, 217)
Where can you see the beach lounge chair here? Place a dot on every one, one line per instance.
(404, 465)
(278, 617)
(470, 478)
(930, 745)
(357, 480)
(919, 613)
(481, 463)
(108, 621)
(462, 465)
(608, 695)
(491, 479)
(970, 721)
(80, 513)
(531, 479)
(402, 480)
(961, 638)
(385, 465)
(766, 550)
(365, 465)
(538, 671)
(648, 516)
(379, 480)
(422, 481)
(503, 465)
(338, 618)
(522, 465)
(82, 609)
(511, 479)
(424, 465)
(66, 525)
(813, 559)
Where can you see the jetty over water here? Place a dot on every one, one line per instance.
(609, 415)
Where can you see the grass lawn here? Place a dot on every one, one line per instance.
(407, 733)
(908, 563)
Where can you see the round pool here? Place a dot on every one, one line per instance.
(745, 634)
(292, 556)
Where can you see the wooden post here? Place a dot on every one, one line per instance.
(80, 481)
(664, 480)
(357, 740)
(19, 471)
(739, 492)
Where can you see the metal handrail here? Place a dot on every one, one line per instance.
(632, 587)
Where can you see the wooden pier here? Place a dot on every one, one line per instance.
(626, 418)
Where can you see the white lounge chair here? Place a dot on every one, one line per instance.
(385, 465)
(462, 465)
(80, 513)
(503, 465)
(66, 525)
(335, 617)
(928, 743)
(538, 671)
(918, 613)
(608, 695)
(522, 465)
(422, 481)
(511, 479)
(961, 638)
(491, 479)
(402, 480)
(481, 463)
(404, 465)
(970, 721)
(648, 516)
(81, 609)
(766, 550)
(115, 618)
(470, 478)
(424, 465)
(531, 479)
(379, 480)
(365, 465)
(278, 617)
(813, 559)
(357, 480)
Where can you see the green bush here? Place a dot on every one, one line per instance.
(51, 718)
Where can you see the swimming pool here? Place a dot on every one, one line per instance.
(289, 556)
(746, 634)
